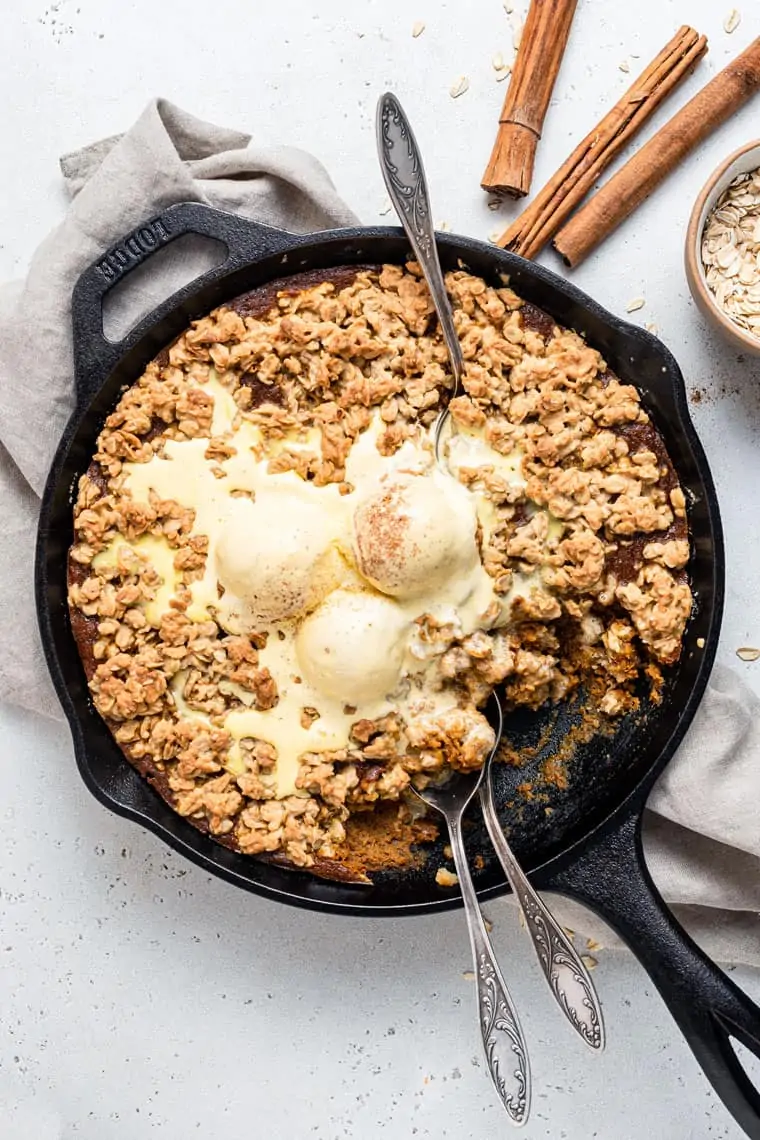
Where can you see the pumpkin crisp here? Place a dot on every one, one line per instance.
(286, 610)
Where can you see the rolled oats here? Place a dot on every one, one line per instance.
(732, 21)
(517, 32)
(730, 252)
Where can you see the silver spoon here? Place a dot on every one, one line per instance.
(503, 1041)
(566, 974)
(404, 174)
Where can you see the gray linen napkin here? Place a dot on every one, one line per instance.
(168, 156)
(703, 828)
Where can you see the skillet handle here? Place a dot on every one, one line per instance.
(94, 355)
(611, 877)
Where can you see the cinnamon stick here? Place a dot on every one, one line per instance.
(553, 205)
(643, 173)
(547, 26)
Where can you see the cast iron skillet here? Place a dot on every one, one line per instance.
(587, 845)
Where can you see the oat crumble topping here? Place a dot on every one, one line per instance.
(581, 504)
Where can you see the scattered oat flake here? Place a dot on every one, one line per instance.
(570, 933)
(634, 305)
(445, 878)
(497, 63)
(503, 73)
(593, 945)
(652, 328)
(494, 236)
(418, 29)
(468, 975)
(517, 34)
(509, 9)
(747, 653)
(732, 21)
(459, 87)
(447, 852)
(521, 917)
(589, 962)
(488, 924)
(444, 227)
(700, 643)
(624, 66)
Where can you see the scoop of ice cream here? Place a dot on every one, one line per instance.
(274, 557)
(414, 534)
(352, 646)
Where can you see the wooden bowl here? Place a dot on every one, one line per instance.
(740, 162)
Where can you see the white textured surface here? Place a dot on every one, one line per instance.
(136, 994)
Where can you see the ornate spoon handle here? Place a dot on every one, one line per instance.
(568, 978)
(503, 1041)
(404, 174)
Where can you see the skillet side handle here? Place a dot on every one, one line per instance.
(611, 878)
(244, 239)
